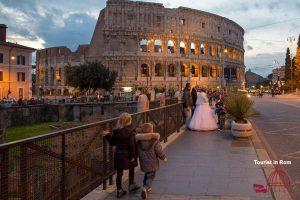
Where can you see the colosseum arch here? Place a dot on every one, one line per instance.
(195, 70)
(202, 48)
(171, 70)
(184, 70)
(159, 71)
(171, 46)
(214, 71)
(183, 47)
(144, 45)
(204, 71)
(194, 48)
(158, 46)
(212, 50)
(145, 70)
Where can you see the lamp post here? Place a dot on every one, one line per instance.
(291, 40)
(222, 53)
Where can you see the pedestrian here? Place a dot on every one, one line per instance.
(150, 151)
(143, 103)
(125, 157)
(221, 112)
(187, 104)
(194, 98)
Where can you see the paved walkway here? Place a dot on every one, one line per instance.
(206, 165)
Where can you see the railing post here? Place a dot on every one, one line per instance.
(63, 167)
(104, 162)
(23, 173)
(177, 117)
(4, 174)
(165, 124)
(111, 157)
(145, 117)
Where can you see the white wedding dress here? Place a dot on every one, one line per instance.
(203, 118)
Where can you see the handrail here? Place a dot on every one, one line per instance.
(65, 131)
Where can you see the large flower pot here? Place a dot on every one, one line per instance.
(241, 130)
(227, 125)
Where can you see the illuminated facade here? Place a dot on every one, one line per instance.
(15, 68)
(149, 44)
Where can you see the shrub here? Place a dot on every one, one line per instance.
(239, 106)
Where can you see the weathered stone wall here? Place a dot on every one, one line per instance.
(16, 116)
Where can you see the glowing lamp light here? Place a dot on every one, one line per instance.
(127, 89)
(13, 58)
(225, 50)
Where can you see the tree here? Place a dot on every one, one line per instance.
(296, 63)
(90, 77)
(288, 64)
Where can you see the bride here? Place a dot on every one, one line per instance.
(203, 118)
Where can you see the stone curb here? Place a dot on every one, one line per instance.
(265, 152)
(99, 193)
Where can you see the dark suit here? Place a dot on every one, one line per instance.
(194, 98)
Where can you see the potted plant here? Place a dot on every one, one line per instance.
(239, 107)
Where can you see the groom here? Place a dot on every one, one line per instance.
(187, 104)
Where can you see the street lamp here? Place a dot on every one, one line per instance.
(222, 53)
(291, 40)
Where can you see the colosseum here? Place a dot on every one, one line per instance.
(150, 45)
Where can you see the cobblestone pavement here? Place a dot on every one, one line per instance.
(279, 124)
(206, 165)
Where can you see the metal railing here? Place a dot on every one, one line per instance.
(68, 164)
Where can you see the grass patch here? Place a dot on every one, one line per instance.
(26, 131)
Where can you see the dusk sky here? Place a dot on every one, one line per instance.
(267, 24)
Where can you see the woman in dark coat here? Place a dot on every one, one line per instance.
(125, 158)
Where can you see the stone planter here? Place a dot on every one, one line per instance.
(227, 125)
(241, 130)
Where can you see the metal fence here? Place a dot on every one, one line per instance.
(68, 164)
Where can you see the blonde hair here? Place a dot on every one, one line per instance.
(147, 128)
(124, 120)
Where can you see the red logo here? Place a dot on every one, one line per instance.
(278, 180)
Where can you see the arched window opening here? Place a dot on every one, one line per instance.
(212, 50)
(227, 73)
(171, 47)
(233, 73)
(143, 45)
(214, 72)
(219, 49)
(145, 70)
(202, 50)
(193, 51)
(194, 71)
(157, 46)
(182, 48)
(159, 70)
(204, 71)
(184, 71)
(171, 70)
